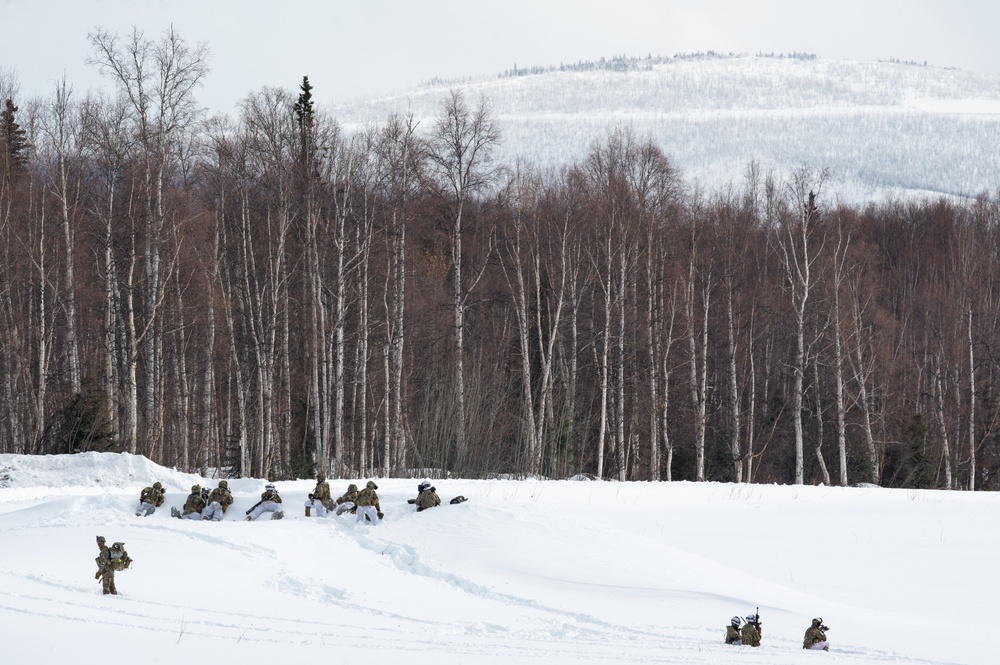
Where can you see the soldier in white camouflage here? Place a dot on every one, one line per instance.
(733, 636)
(150, 499)
(368, 505)
(750, 633)
(192, 507)
(218, 501)
(426, 498)
(270, 501)
(815, 637)
(348, 500)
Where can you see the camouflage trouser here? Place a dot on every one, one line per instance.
(108, 582)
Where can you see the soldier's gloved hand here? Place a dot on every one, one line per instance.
(411, 501)
(97, 575)
(380, 515)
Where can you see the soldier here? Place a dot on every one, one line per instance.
(192, 507)
(750, 634)
(815, 637)
(322, 492)
(368, 505)
(150, 499)
(348, 500)
(426, 496)
(733, 636)
(270, 502)
(105, 572)
(218, 501)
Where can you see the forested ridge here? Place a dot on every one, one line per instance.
(277, 296)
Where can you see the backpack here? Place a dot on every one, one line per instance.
(120, 560)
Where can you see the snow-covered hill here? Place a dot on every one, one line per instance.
(525, 571)
(882, 129)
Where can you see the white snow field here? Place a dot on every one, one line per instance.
(530, 571)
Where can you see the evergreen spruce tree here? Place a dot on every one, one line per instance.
(304, 116)
(14, 142)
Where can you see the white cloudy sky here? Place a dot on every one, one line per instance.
(352, 48)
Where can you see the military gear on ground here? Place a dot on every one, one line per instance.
(458, 499)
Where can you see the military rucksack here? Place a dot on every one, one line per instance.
(120, 560)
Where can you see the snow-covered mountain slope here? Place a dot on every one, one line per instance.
(882, 129)
(525, 571)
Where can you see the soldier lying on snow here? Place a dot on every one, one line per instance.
(150, 499)
(426, 497)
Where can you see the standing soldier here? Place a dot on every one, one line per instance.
(368, 505)
(270, 501)
(218, 501)
(192, 507)
(108, 561)
(105, 572)
(150, 499)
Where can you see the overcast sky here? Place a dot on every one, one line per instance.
(352, 48)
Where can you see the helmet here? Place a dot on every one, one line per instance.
(371, 485)
(424, 485)
(269, 487)
(196, 488)
(157, 485)
(817, 621)
(321, 478)
(100, 539)
(735, 621)
(751, 618)
(352, 488)
(224, 484)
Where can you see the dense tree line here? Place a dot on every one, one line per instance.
(273, 295)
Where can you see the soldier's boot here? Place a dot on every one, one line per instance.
(278, 515)
(174, 512)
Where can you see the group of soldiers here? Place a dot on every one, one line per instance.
(205, 504)
(749, 634)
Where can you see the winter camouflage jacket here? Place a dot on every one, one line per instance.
(813, 635)
(270, 495)
(151, 495)
(350, 495)
(322, 492)
(427, 499)
(194, 503)
(223, 496)
(368, 497)
(732, 634)
(750, 635)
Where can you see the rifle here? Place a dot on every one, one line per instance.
(250, 510)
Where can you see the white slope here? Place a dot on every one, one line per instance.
(882, 129)
(525, 571)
